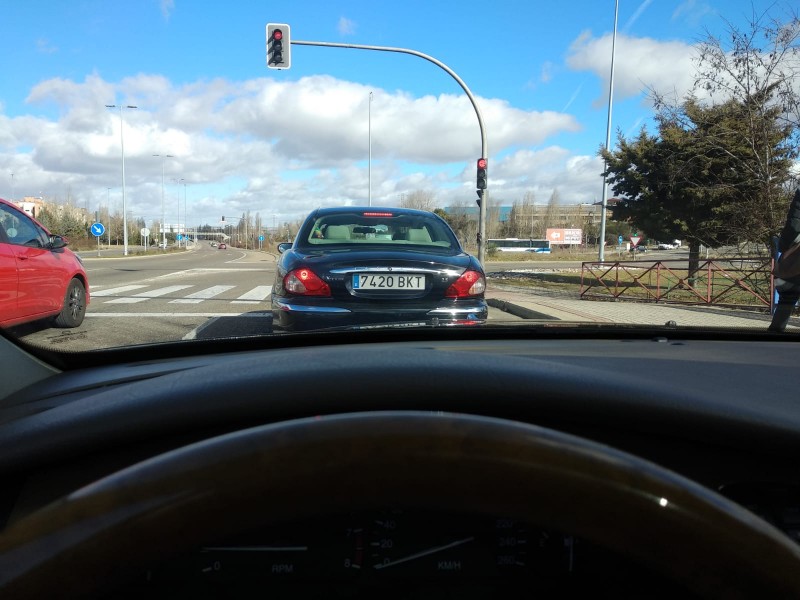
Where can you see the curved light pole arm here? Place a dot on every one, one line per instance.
(440, 64)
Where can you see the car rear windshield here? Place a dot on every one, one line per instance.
(380, 228)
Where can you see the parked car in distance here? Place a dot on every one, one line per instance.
(223, 246)
(665, 246)
(363, 267)
(639, 248)
(39, 276)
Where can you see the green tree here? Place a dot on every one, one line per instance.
(748, 121)
(704, 177)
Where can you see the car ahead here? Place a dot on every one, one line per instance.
(222, 247)
(40, 277)
(665, 246)
(360, 267)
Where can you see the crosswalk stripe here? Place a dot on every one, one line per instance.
(149, 294)
(206, 294)
(116, 291)
(254, 296)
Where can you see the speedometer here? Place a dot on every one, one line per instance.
(426, 544)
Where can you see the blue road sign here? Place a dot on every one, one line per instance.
(179, 237)
(261, 238)
(619, 239)
(98, 229)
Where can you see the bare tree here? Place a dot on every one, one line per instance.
(762, 60)
(419, 199)
(551, 214)
(528, 210)
(757, 69)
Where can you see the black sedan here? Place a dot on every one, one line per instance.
(359, 267)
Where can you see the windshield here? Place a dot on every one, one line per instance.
(181, 173)
(383, 228)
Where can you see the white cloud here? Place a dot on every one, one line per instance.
(346, 26)
(277, 147)
(167, 7)
(635, 17)
(692, 11)
(639, 64)
(45, 47)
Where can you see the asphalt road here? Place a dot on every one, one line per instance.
(168, 296)
(203, 293)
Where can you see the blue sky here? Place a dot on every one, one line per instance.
(279, 143)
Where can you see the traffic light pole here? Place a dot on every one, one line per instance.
(484, 145)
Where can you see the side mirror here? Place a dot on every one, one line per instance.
(57, 242)
(284, 246)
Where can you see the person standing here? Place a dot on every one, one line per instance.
(788, 290)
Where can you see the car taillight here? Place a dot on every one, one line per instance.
(305, 283)
(471, 283)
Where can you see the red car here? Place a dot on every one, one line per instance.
(222, 247)
(39, 276)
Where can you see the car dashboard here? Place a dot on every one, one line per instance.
(722, 414)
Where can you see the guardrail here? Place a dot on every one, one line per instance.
(735, 283)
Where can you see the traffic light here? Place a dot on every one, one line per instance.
(482, 178)
(279, 49)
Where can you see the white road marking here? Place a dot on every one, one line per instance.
(206, 294)
(116, 291)
(149, 294)
(265, 315)
(254, 296)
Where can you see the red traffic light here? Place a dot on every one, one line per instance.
(277, 34)
(482, 179)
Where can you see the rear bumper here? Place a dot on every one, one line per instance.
(289, 315)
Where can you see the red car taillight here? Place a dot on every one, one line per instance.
(471, 283)
(305, 283)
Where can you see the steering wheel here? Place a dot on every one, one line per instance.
(97, 535)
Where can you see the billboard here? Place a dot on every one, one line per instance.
(564, 236)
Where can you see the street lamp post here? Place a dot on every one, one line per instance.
(369, 127)
(108, 226)
(163, 157)
(185, 226)
(603, 200)
(122, 147)
(186, 215)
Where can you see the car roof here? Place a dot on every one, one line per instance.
(321, 212)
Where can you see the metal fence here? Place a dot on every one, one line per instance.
(729, 282)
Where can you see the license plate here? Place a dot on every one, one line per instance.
(388, 281)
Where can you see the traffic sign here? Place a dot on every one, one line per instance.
(635, 240)
(145, 232)
(98, 229)
(179, 237)
(261, 238)
(619, 240)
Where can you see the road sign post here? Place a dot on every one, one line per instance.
(98, 229)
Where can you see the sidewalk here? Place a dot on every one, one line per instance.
(533, 305)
